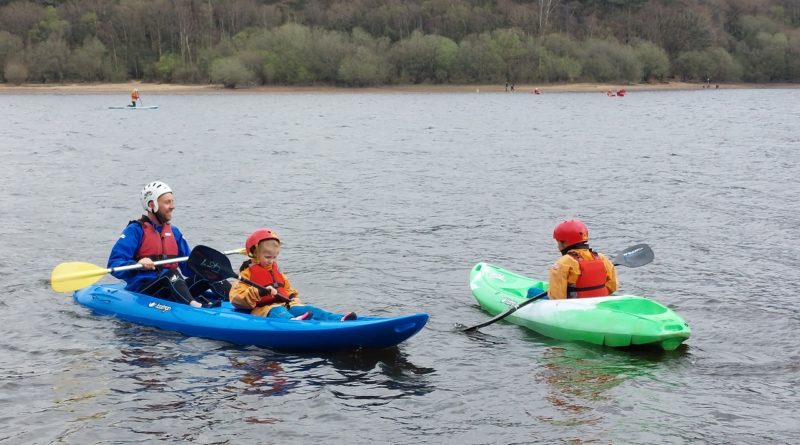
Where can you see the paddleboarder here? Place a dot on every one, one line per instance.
(134, 97)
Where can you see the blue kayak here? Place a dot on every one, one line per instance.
(227, 324)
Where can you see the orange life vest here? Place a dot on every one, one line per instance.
(134, 95)
(592, 281)
(157, 246)
(269, 277)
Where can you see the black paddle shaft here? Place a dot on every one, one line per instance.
(214, 265)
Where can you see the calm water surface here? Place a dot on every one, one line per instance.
(385, 202)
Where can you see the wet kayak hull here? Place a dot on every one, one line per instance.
(227, 324)
(616, 321)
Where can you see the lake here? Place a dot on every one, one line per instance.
(384, 203)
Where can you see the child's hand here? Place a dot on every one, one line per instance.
(268, 290)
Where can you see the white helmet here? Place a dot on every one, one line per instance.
(153, 191)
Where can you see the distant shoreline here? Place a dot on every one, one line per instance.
(155, 88)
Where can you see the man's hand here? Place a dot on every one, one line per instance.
(147, 264)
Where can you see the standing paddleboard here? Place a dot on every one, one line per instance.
(128, 107)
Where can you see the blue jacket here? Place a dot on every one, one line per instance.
(124, 253)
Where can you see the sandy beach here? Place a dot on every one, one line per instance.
(156, 88)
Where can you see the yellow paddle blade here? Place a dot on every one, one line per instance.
(68, 277)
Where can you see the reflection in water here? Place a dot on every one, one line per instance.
(152, 356)
(374, 377)
(262, 377)
(579, 377)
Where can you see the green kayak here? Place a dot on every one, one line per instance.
(618, 321)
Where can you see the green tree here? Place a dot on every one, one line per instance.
(89, 62)
(364, 67)
(747, 27)
(165, 67)
(764, 58)
(50, 26)
(476, 61)
(11, 48)
(554, 68)
(15, 72)
(420, 58)
(19, 17)
(793, 57)
(509, 44)
(47, 60)
(607, 60)
(692, 65)
(288, 53)
(722, 66)
(326, 52)
(231, 72)
(653, 59)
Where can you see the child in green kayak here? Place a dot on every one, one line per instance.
(277, 298)
(580, 272)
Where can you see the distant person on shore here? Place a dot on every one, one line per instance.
(151, 238)
(277, 298)
(580, 272)
(512, 87)
(506, 86)
(134, 97)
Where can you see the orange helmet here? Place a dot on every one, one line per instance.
(571, 232)
(258, 236)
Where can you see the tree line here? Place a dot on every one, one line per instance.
(378, 42)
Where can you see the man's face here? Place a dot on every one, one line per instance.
(166, 204)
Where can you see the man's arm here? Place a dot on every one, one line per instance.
(124, 251)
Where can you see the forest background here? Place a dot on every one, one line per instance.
(398, 42)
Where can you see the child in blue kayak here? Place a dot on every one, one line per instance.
(277, 298)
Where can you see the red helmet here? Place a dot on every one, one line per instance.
(571, 232)
(258, 236)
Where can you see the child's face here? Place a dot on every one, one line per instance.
(268, 251)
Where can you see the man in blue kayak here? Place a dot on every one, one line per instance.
(152, 238)
(580, 272)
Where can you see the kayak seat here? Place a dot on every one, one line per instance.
(534, 291)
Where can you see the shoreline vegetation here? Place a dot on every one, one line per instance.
(152, 89)
(378, 43)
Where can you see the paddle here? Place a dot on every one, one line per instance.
(213, 265)
(633, 256)
(68, 277)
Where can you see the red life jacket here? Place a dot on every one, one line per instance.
(157, 246)
(592, 281)
(269, 277)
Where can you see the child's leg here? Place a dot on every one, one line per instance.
(319, 314)
(280, 312)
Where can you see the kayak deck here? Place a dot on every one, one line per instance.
(616, 321)
(227, 324)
